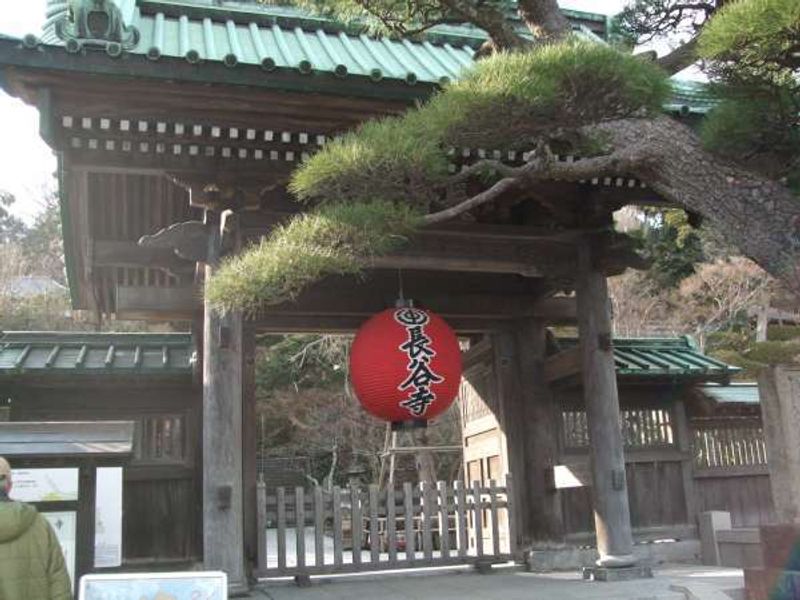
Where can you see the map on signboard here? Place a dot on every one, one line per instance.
(64, 526)
(155, 586)
(108, 518)
(45, 485)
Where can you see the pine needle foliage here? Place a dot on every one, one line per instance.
(370, 188)
(752, 49)
(753, 32)
(335, 239)
(506, 102)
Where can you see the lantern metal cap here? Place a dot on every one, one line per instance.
(404, 303)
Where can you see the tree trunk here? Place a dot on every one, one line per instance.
(759, 216)
(544, 18)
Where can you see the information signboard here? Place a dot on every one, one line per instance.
(192, 585)
(64, 525)
(45, 485)
(108, 518)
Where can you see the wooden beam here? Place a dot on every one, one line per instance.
(175, 300)
(427, 253)
(84, 94)
(349, 302)
(183, 303)
(562, 365)
(348, 324)
(556, 310)
(112, 253)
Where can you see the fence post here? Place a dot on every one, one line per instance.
(281, 500)
(357, 526)
(511, 509)
(427, 508)
(495, 523)
(300, 526)
(478, 520)
(391, 525)
(374, 541)
(444, 520)
(261, 523)
(408, 505)
(461, 508)
(319, 526)
(337, 526)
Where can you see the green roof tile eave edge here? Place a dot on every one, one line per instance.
(120, 372)
(181, 339)
(587, 16)
(134, 65)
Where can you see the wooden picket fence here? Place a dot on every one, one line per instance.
(363, 528)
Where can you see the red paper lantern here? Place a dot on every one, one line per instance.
(405, 365)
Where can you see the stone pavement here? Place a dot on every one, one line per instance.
(674, 582)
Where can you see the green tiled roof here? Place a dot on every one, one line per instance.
(54, 353)
(277, 41)
(664, 358)
(735, 393)
(691, 96)
(282, 38)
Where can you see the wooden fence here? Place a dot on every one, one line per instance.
(676, 468)
(311, 532)
(730, 469)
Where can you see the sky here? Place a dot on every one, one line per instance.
(27, 165)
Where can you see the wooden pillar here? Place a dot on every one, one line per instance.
(249, 443)
(223, 536)
(683, 436)
(541, 436)
(526, 416)
(610, 494)
(85, 525)
(779, 389)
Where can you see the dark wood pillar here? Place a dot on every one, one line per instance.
(610, 494)
(249, 442)
(85, 525)
(541, 436)
(223, 536)
(527, 418)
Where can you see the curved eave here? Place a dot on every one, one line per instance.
(13, 53)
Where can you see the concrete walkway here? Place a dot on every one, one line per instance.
(670, 583)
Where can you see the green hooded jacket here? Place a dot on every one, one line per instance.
(31, 564)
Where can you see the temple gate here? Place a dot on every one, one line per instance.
(176, 127)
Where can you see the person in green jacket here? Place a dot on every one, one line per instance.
(31, 564)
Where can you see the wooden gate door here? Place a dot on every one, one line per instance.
(312, 532)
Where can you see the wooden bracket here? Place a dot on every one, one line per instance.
(566, 363)
(220, 191)
(188, 239)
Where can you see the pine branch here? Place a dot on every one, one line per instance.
(542, 165)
